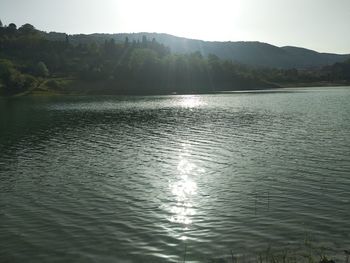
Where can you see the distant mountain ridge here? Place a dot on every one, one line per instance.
(250, 53)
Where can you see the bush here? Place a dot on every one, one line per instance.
(30, 82)
(53, 84)
(5, 67)
(13, 81)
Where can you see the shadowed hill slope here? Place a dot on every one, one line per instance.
(249, 53)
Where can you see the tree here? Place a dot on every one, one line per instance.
(6, 67)
(12, 28)
(109, 46)
(126, 43)
(142, 56)
(42, 70)
(1, 25)
(27, 29)
(144, 41)
(212, 58)
(197, 55)
(14, 82)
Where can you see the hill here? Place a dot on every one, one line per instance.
(31, 61)
(249, 53)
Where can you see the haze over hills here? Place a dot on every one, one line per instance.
(249, 53)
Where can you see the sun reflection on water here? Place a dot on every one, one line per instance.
(183, 190)
(190, 101)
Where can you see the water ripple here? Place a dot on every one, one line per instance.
(144, 179)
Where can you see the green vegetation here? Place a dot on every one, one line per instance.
(248, 53)
(303, 253)
(32, 64)
(12, 81)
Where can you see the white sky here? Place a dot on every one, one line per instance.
(322, 25)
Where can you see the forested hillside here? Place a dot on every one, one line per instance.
(30, 61)
(249, 53)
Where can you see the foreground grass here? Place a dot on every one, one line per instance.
(305, 253)
(284, 256)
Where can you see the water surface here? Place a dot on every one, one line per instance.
(144, 179)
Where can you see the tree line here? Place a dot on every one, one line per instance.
(133, 67)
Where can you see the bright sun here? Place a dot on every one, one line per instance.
(194, 19)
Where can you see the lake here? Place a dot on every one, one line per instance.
(173, 178)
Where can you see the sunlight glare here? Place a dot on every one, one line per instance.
(190, 101)
(185, 188)
(193, 19)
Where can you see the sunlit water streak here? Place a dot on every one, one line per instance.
(141, 179)
(184, 189)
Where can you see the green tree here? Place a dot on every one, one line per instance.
(126, 42)
(42, 70)
(5, 67)
(144, 41)
(142, 56)
(11, 28)
(14, 82)
(27, 29)
(1, 25)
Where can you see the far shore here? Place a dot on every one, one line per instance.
(74, 87)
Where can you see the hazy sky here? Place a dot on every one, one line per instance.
(322, 25)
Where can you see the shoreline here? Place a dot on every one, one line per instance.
(74, 87)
